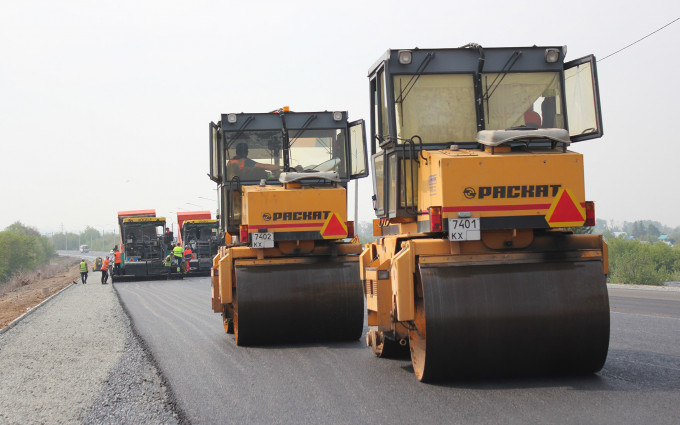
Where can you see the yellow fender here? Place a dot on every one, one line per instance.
(225, 268)
(215, 280)
(401, 274)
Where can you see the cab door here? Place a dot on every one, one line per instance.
(357, 150)
(215, 164)
(582, 97)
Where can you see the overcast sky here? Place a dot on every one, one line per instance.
(105, 105)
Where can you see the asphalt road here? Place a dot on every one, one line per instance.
(214, 381)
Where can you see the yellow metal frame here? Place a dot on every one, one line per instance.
(503, 184)
(144, 220)
(204, 220)
(223, 277)
(279, 209)
(388, 267)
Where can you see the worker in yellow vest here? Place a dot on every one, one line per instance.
(178, 252)
(83, 271)
(167, 263)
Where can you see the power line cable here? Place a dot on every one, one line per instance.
(620, 50)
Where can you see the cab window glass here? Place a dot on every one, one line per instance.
(438, 108)
(522, 99)
(379, 182)
(319, 150)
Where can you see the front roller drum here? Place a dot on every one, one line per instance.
(509, 320)
(282, 303)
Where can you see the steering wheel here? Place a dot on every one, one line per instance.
(327, 165)
(273, 174)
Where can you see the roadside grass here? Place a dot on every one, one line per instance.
(55, 267)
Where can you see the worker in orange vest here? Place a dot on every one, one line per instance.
(242, 161)
(117, 260)
(188, 256)
(105, 270)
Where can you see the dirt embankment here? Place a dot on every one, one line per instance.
(27, 290)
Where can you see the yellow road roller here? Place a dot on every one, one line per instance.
(287, 271)
(476, 267)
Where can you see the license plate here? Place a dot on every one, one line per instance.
(262, 240)
(464, 229)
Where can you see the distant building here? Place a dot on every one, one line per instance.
(665, 239)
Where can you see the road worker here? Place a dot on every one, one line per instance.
(178, 252)
(117, 258)
(105, 270)
(188, 256)
(241, 160)
(168, 264)
(83, 271)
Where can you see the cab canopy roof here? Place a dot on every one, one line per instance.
(145, 221)
(294, 120)
(135, 213)
(472, 58)
(191, 215)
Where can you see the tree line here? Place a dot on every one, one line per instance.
(93, 238)
(22, 248)
(642, 252)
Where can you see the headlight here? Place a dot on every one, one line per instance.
(231, 118)
(552, 55)
(337, 116)
(405, 57)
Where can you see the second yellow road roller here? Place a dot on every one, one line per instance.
(287, 271)
(476, 268)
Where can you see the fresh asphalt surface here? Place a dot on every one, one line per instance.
(214, 381)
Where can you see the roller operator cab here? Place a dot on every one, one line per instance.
(286, 271)
(473, 267)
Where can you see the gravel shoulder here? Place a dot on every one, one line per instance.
(36, 287)
(76, 359)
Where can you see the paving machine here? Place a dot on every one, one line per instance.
(198, 233)
(474, 268)
(286, 272)
(144, 244)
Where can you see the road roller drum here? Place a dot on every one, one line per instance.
(510, 319)
(298, 303)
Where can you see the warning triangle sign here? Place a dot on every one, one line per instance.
(565, 211)
(333, 228)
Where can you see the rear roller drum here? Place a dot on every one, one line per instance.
(510, 319)
(321, 301)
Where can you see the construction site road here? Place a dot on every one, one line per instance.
(214, 381)
(75, 359)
